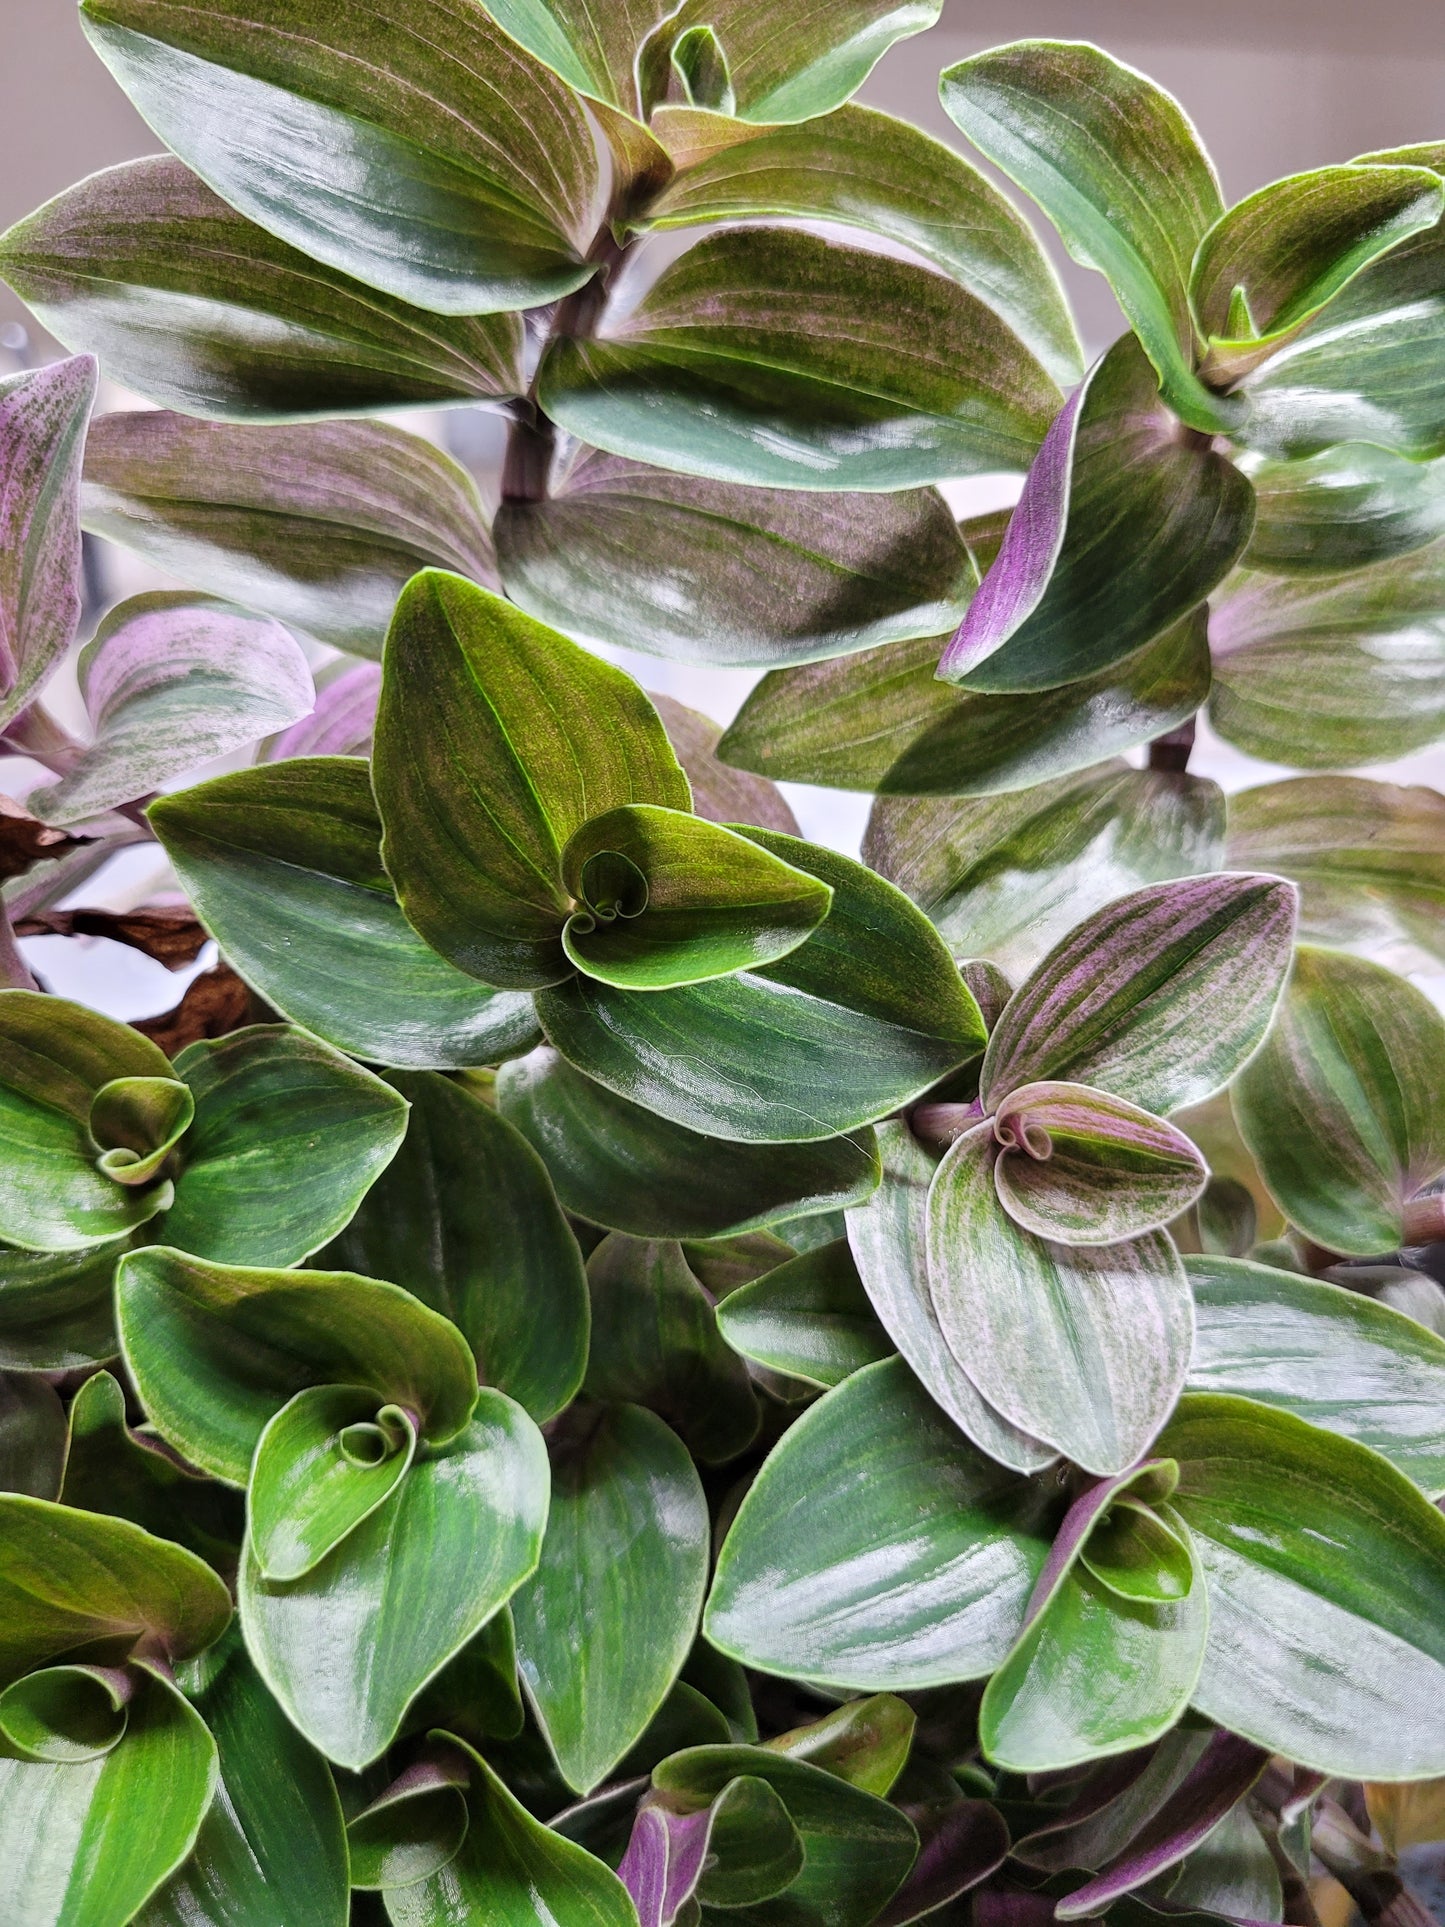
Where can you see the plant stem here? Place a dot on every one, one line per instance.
(1171, 751)
(1425, 1220)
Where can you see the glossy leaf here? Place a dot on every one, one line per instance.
(1343, 509)
(865, 1742)
(283, 864)
(621, 1165)
(1340, 1108)
(817, 65)
(720, 793)
(605, 1625)
(217, 1350)
(319, 525)
(346, 1648)
(772, 357)
(712, 572)
(324, 1463)
(55, 1308)
(288, 1137)
(410, 152)
(665, 1855)
(171, 680)
(43, 416)
(1084, 1346)
(1310, 1543)
(656, 1342)
(465, 1218)
(496, 741)
(598, 53)
(959, 1848)
(1232, 1872)
(416, 1827)
(1334, 671)
(1116, 165)
(477, 1694)
(32, 1436)
(888, 1237)
(810, 1318)
(865, 1015)
(1158, 998)
(191, 305)
(877, 1551)
(883, 721)
(1124, 527)
(1004, 878)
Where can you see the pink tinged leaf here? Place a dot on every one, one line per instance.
(1015, 585)
(43, 417)
(1012, 1907)
(664, 1862)
(341, 722)
(960, 1848)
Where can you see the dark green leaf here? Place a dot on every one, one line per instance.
(1343, 509)
(32, 1435)
(194, 307)
(283, 864)
(477, 1694)
(55, 1308)
(720, 793)
(416, 1827)
(759, 1852)
(810, 1318)
(818, 63)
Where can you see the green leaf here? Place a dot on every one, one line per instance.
(1284, 253)
(1126, 525)
(866, 1742)
(1342, 1108)
(860, 1019)
(1369, 858)
(759, 1852)
(511, 1871)
(55, 1308)
(217, 1350)
(772, 357)
(1083, 1346)
(54, 1059)
(720, 793)
(1343, 509)
(711, 572)
(818, 63)
(1313, 1545)
(1006, 877)
(1116, 165)
(416, 1827)
(496, 741)
(1232, 1873)
(1335, 671)
(425, 154)
(809, 1318)
(319, 525)
(70, 1579)
(283, 864)
(348, 1647)
(465, 1218)
(171, 680)
(271, 1846)
(619, 1164)
(877, 1551)
(1158, 998)
(656, 1342)
(888, 1237)
(477, 1694)
(32, 1436)
(65, 1714)
(188, 303)
(605, 1625)
(85, 1845)
(142, 1119)
(883, 721)
(288, 1137)
(666, 898)
(857, 1849)
(860, 168)
(597, 51)
(326, 1462)
(1329, 1355)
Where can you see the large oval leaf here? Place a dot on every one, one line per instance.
(1312, 1545)
(348, 1647)
(283, 864)
(424, 152)
(320, 525)
(1342, 1108)
(235, 323)
(877, 1551)
(773, 357)
(621, 1165)
(605, 1625)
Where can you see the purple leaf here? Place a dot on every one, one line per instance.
(961, 1847)
(1012, 1907)
(664, 1861)
(342, 721)
(43, 417)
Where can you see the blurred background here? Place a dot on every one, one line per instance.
(1274, 86)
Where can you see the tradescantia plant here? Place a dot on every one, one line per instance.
(608, 1365)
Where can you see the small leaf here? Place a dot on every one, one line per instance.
(65, 1715)
(140, 1120)
(1084, 1346)
(597, 53)
(772, 357)
(666, 1852)
(32, 1436)
(816, 66)
(348, 1647)
(170, 681)
(43, 416)
(960, 1847)
(237, 325)
(319, 526)
(877, 1551)
(866, 1742)
(1233, 1872)
(619, 1164)
(284, 865)
(720, 793)
(415, 1828)
(809, 1318)
(1158, 999)
(1343, 509)
(217, 1350)
(605, 1625)
(496, 741)
(324, 1463)
(1348, 1061)
(343, 717)
(55, 1308)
